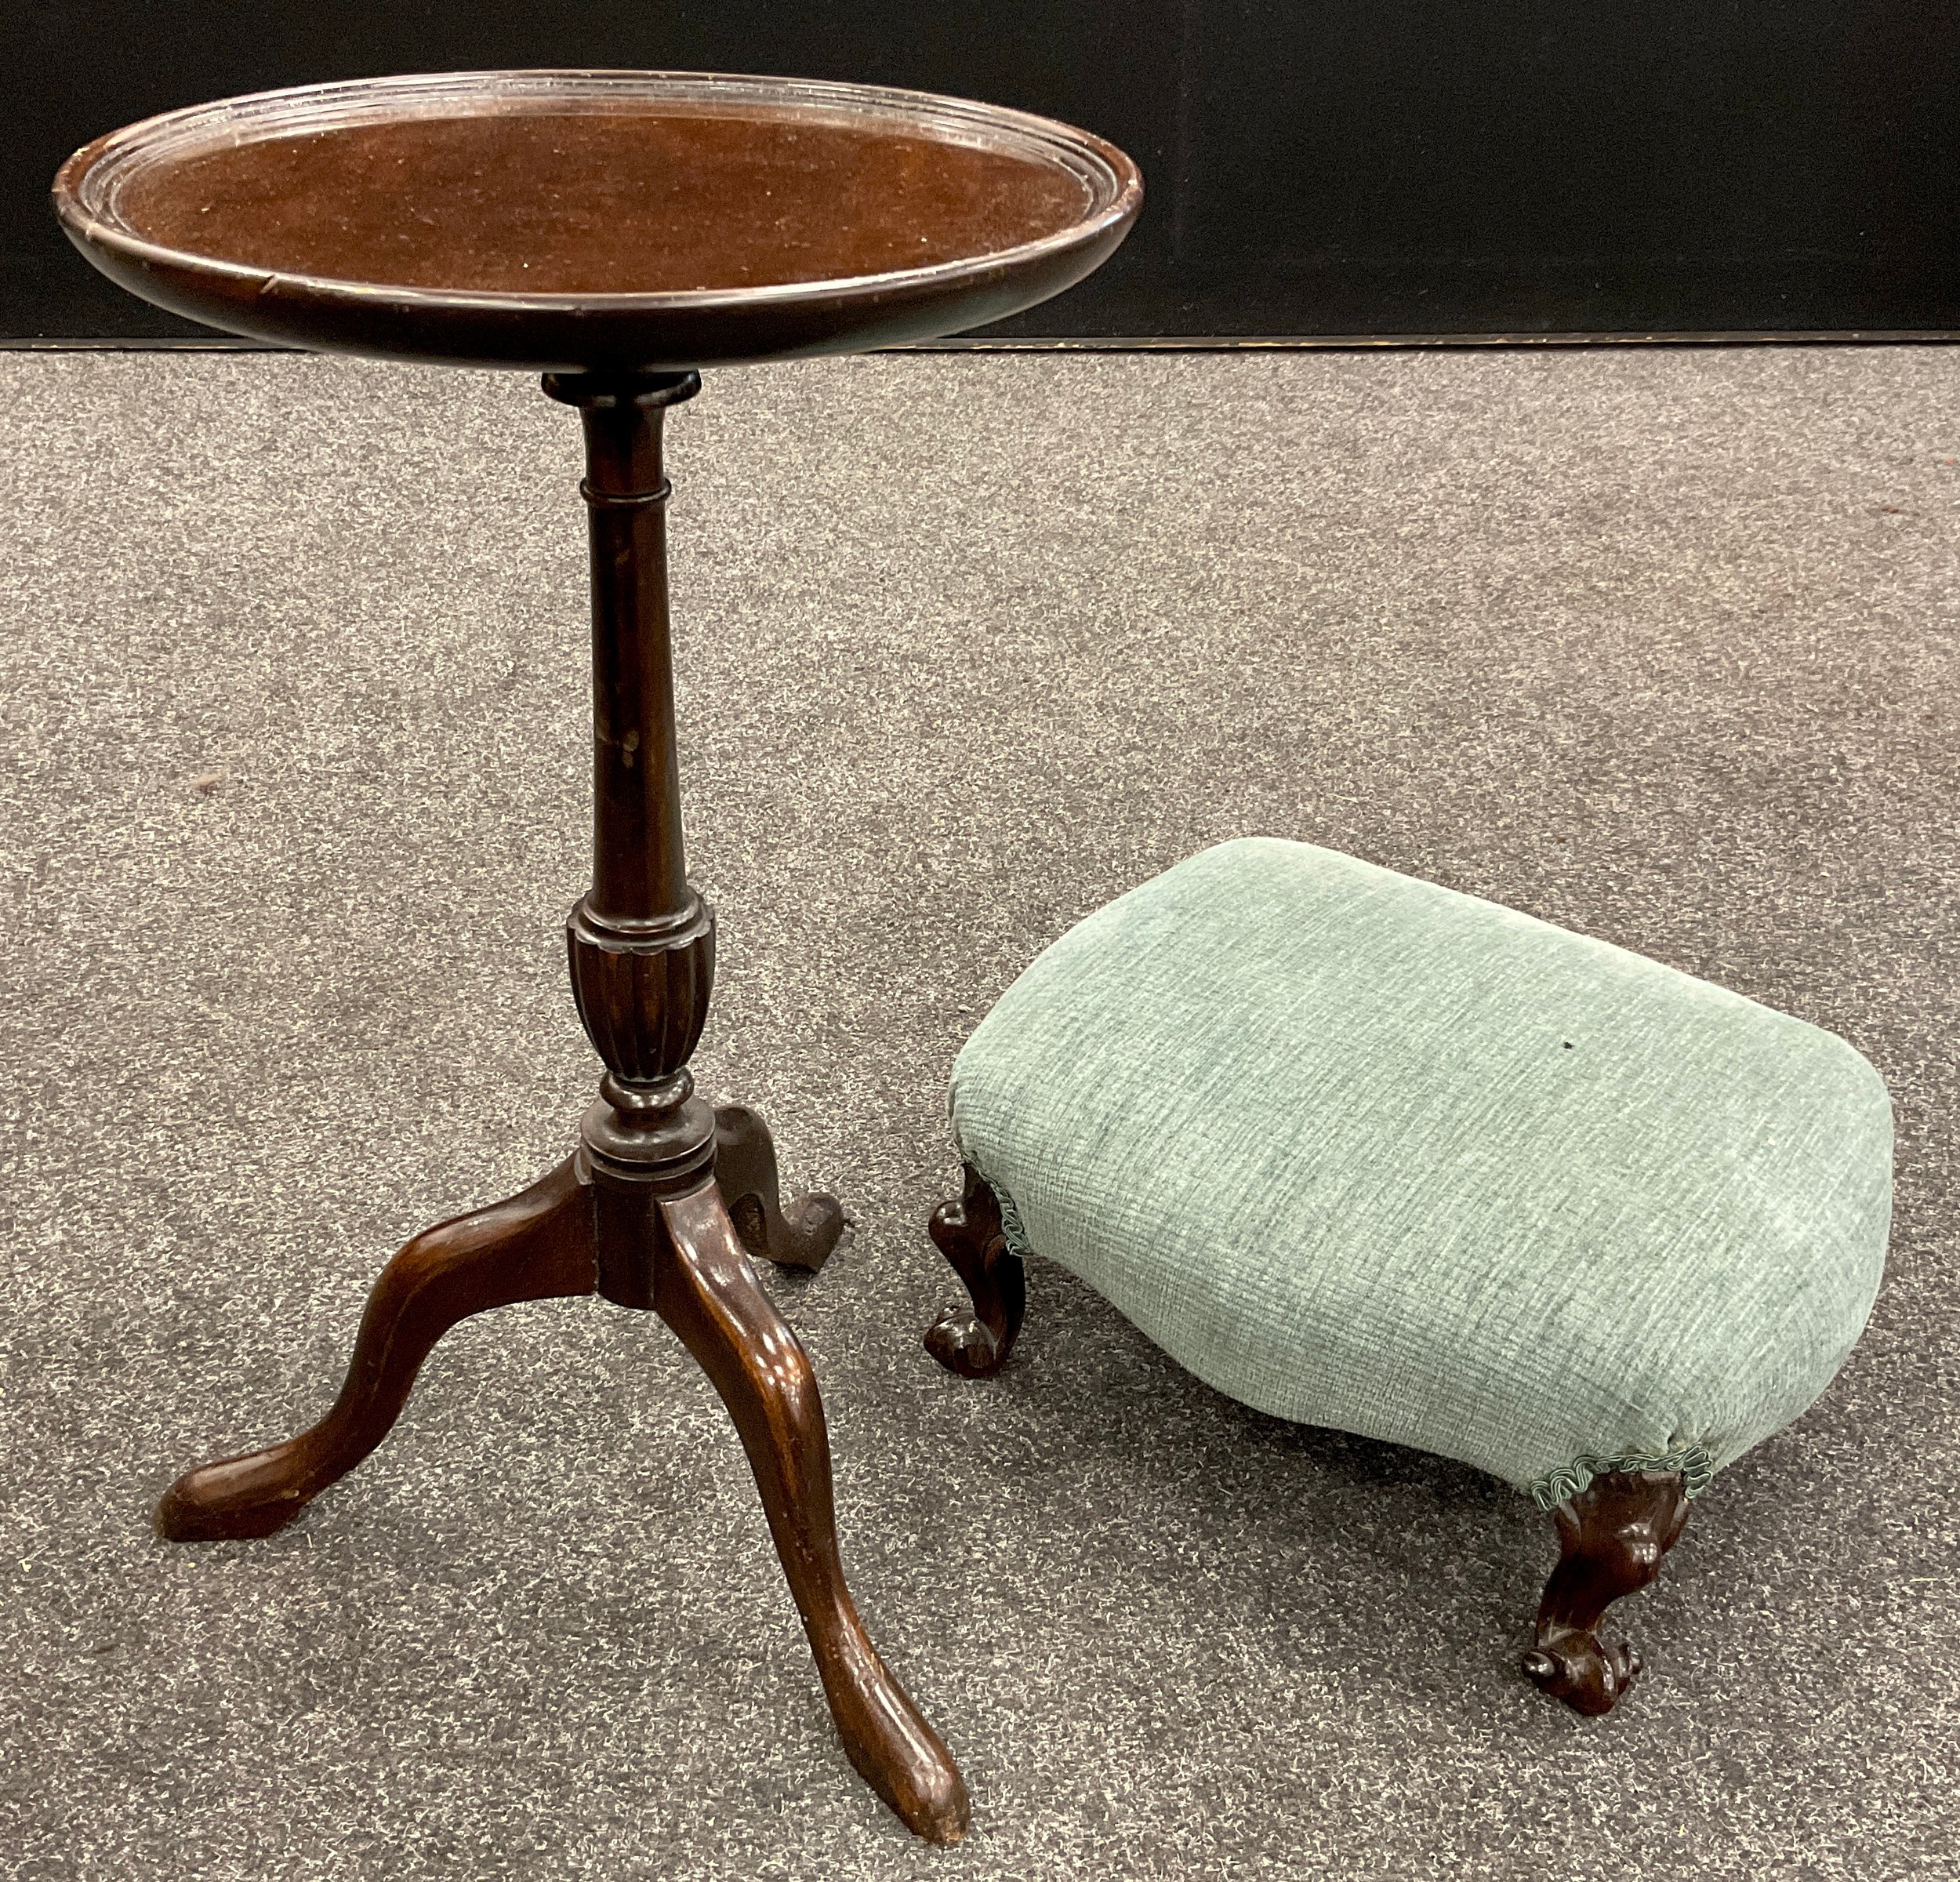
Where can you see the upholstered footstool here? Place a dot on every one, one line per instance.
(1367, 1153)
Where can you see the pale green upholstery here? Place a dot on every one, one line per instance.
(1367, 1153)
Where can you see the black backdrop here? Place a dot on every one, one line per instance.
(1314, 167)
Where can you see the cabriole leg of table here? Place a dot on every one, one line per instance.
(538, 1246)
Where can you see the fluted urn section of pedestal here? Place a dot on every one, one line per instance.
(642, 988)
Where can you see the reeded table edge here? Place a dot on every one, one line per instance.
(1124, 182)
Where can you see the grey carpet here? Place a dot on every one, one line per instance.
(1660, 645)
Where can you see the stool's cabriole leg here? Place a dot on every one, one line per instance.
(1613, 1537)
(642, 957)
(538, 1246)
(969, 1233)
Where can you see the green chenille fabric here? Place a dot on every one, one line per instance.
(1367, 1153)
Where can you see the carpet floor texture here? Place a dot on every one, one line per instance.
(1660, 645)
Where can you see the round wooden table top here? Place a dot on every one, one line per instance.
(562, 220)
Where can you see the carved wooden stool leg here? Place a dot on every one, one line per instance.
(802, 1235)
(1613, 1535)
(536, 1247)
(706, 1290)
(969, 1233)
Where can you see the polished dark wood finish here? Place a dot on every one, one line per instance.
(646, 1213)
(805, 1234)
(1613, 1537)
(573, 220)
(825, 201)
(705, 1289)
(617, 230)
(538, 1246)
(969, 1233)
(640, 864)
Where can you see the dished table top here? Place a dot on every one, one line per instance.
(561, 219)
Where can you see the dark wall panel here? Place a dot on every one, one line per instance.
(1404, 166)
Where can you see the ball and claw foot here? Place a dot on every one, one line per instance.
(968, 1233)
(802, 1233)
(1589, 1675)
(1614, 1536)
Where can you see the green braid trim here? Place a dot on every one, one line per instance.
(1689, 1461)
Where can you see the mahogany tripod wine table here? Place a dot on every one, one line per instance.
(615, 231)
